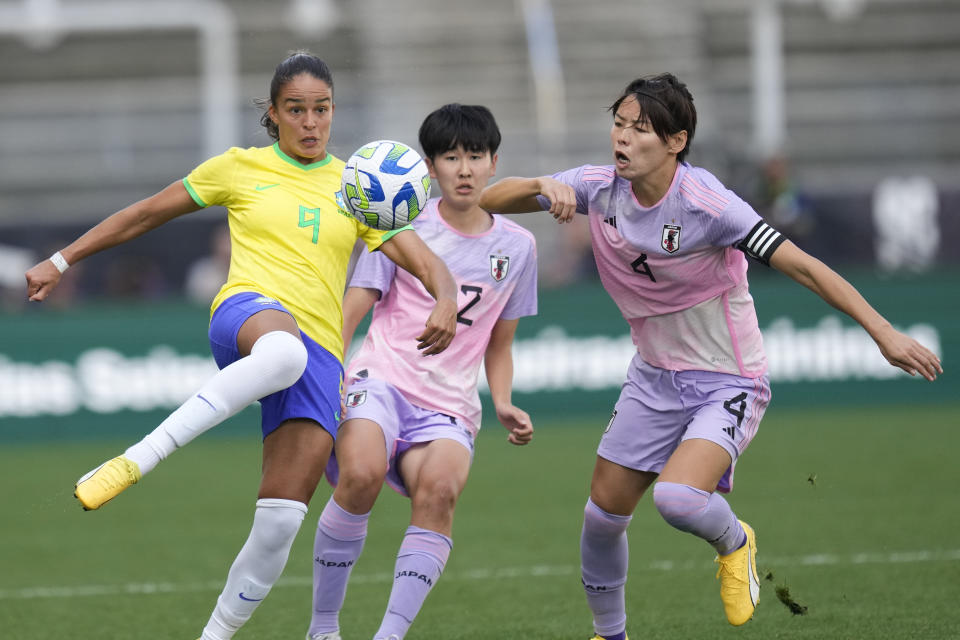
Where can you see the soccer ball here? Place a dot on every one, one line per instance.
(385, 184)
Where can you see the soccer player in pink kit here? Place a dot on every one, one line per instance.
(411, 420)
(670, 243)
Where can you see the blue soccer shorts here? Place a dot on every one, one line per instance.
(315, 396)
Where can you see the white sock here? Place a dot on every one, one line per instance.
(258, 565)
(276, 361)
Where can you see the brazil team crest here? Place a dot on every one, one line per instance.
(356, 398)
(670, 240)
(499, 265)
(342, 206)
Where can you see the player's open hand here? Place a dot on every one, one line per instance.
(517, 422)
(902, 351)
(41, 280)
(563, 199)
(440, 329)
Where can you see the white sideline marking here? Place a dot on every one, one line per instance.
(535, 571)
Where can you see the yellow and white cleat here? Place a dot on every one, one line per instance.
(739, 583)
(106, 482)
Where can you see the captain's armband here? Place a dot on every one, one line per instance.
(761, 242)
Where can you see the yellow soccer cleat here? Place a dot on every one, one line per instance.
(106, 482)
(599, 637)
(739, 583)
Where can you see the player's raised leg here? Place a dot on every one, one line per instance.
(685, 498)
(276, 359)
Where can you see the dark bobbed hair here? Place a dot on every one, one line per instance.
(666, 103)
(472, 127)
(293, 65)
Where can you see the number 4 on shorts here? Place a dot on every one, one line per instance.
(737, 406)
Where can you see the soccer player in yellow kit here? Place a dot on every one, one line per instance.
(275, 328)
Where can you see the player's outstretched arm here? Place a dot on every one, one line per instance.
(519, 195)
(498, 362)
(411, 253)
(899, 349)
(124, 225)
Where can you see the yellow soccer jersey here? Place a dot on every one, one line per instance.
(290, 240)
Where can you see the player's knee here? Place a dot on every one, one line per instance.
(679, 504)
(437, 495)
(359, 485)
(600, 526)
(277, 522)
(283, 356)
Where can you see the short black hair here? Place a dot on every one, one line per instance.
(472, 127)
(293, 65)
(666, 103)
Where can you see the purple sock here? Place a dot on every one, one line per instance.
(339, 541)
(420, 561)
(604, 557)
(705, 515)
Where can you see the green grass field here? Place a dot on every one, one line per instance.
(855, 510)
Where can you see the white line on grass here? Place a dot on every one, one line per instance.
(535, 571)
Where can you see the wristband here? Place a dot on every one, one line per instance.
(59, 262)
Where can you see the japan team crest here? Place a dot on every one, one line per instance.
(356, 398)
(499, 265)
(670, 240)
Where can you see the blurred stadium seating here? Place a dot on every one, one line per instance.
(91, 121)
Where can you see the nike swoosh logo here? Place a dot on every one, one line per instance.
(243, 597)
(266, 186)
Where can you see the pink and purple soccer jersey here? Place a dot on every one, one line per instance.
(677, 272)
(496, 276)
(677, 269)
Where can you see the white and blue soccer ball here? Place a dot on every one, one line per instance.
(385, 184)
